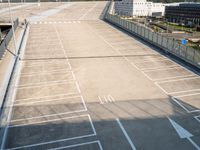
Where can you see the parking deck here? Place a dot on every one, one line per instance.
(85, 85)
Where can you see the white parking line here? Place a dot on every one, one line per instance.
(55, 22)
(186, 95)
(168, 78)
(181, 105)
(28, 99)
(43, 63)
(49, 83)
(48, 72)
(160, 69)
(43, 83)
(80, 144)
(45, 121)
(197, 118)
(44, 116)
(126, 134)
(178, 92)
(41, 101)
(51, 142)
(178, 80)
(145, 69)
(146, 61)
(166, 59)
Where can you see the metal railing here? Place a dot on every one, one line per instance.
(7, 39)
(170, 45)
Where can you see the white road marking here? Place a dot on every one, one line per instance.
(145, 69)
(177, 92)
(44, 116)
(168, 78)
(29, 99)
(45, 121)
(186, 95)
(178, 80)
(197, 118)
(183, 133)
(77, 86)
(181, 105)
(106, 99)
(44, 83)
(110, 98)
(101, 102)
(41, 101)
(153, 61)
(126, 134)
(74, 77)
(160, 69)
(51, 142)
(47, 72)
(80, 144)
(52, 83)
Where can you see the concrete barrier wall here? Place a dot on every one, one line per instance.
(186, 53)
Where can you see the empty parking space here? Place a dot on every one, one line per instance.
(28, 80)
(155, 65)
(45, 68)
(147, 58)
(39, 109)
(37, 91)
(50, 131)
(170, 73)
(180, 85)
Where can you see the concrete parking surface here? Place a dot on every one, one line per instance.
(86, 85)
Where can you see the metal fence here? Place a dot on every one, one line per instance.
(170, 45)
(7, 39)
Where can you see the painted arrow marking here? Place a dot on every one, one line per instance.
(183, 133)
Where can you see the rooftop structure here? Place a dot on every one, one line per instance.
(184, 13)
(138, 8)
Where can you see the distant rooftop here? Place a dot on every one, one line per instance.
(191, 4)
(184, 4)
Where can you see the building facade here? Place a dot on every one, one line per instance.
(184, 13)
(138, 8)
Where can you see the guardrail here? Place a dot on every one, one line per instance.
(186, 53)
(7, 38)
